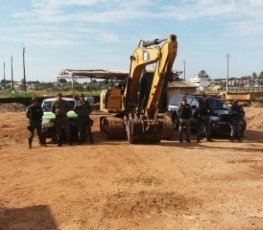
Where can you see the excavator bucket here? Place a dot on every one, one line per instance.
(139, 132)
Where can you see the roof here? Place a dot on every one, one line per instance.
(99, 73)
(181, 84)
(64, 98)
(94, 73)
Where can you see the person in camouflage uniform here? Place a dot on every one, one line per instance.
(60, 109)
(83, 109)
(203, 113)
(184, 114)
(34, 113)
(237, 113)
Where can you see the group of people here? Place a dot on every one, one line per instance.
(202, 115)
(60, 108)
(83, 109)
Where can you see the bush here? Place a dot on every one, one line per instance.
(20, 94)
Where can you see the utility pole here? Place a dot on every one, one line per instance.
(184, 68)
(12, 76)
(4, 78)
(227, 70)
(24, 50)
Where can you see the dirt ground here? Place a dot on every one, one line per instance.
(115, 185)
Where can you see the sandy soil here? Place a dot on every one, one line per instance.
(114, 185)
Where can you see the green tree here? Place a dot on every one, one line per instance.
(254, 75)
(202, 74)
(62, 81)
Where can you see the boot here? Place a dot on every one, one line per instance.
(180, 137)
(91, 141)
(232, 139)
(91, 138)
(30, 144)
(59, 143)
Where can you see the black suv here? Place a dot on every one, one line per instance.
(220, 119)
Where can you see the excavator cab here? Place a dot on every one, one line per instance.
(111, 100)
(139, 118)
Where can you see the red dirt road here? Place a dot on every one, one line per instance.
(115, 185)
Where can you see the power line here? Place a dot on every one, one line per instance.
(227, 71)
(4, 83)
(184, 68)
(12, 76)
(24, 68)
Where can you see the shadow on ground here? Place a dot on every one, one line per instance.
(35, 217)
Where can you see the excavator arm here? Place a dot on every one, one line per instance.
(148, 53)
(138, 118)
(142, 125)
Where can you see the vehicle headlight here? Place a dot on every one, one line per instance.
(213, 118)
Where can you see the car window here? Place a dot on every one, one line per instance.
(175, 100)
(71, 104)
(48, 104)
(217, 104)
(194, 102)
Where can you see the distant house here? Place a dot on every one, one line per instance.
(180, 87)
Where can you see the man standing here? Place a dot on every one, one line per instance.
(60, 109)
(34, 113)
(83, 109)
(184, 114)
(203, 114)
(237, 114)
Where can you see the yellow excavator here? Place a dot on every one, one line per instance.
(133, 112)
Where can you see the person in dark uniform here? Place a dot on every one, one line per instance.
(60, 108)
(34, 113)
(83, 109)
(184, 114)
(203, 113)
(237, 113)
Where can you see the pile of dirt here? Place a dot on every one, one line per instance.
(254, 118)
(12, 107)
(12, 128)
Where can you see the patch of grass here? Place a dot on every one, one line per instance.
(20, 94)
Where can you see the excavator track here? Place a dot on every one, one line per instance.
(114, 127)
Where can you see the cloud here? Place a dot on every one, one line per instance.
(190, 9)
(59, 18)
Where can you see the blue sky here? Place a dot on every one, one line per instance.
(90, 34)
